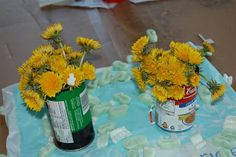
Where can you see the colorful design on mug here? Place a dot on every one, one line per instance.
(164, 125)
(187, 118)
(172, 127)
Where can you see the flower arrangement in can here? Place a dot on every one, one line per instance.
(55, 67)
(167, 72)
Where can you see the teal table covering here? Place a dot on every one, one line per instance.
(27, 137)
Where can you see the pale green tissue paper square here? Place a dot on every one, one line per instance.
(121, 98)
(135, 142)
(119, 66)
(117, 111)
(149, 152)
(101, 109)
(169, 143)
(106, 127)
(121, 76)
(105, 77)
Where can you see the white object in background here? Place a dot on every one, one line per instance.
(119, 134)
(71, 80)
(209, 41)
(198, 141)
(139, 1)
(87, 4)
(228, 79)
(43, 3)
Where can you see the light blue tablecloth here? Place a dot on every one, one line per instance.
(27, 131)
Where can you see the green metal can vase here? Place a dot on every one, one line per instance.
(71, 119)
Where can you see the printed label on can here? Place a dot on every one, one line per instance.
(177, 115)
(70, 115)
(60, 123)
(173, 122)
(185, 108)
(84, 101)
(168, 107)
(78, 111)
(190, 94)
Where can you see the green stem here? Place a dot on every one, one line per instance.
(63, 51)
(204, 77)
(82, 59)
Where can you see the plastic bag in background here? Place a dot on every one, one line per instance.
(13, 139)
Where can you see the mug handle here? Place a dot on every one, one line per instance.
(151, 119)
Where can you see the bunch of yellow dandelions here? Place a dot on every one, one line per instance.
(47, 72)
(167, 72)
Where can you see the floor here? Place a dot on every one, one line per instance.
(21, 22)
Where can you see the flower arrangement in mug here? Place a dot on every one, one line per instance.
(167, 72)
(55, 67)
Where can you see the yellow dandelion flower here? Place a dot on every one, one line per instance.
(47, 49)
(219, 92)
(52, 31)
(78, 74)
(33, 77)
(139, 45)
(50, 83)
(151, 80)
(176, 71)
(33, 100)
(38, 59)
(58, 52)
(88, 43)
(186, 53)
(139, 78)
(175, 92)
(79, 77)
(88, 71)
(155, 53)
(195, 57)
(194, 80)
(137, 58)
(25, 68)
(58, 64)
(162, 73)
(24, 83)
(74, 55)
(163, 68)
(180, 50)
(179, 78)
(149, 64)
(208, 46)
(160, 93)
(165, 53)
(67, 49)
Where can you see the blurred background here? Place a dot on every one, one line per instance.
(21, 22)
